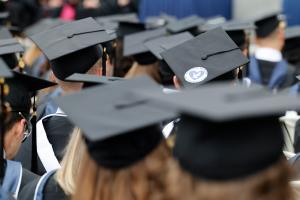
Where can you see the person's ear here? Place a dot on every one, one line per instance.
(176, 83)
(20, 128)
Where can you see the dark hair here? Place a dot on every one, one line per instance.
(19, 99)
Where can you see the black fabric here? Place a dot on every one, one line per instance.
(27, 192)
(27, 177)
(201, 150)
(24, 154)
(125, 150)
(145, 58)
(266, 69)
(297, 137)
(52, 190)
(58, 130)
(266, 26)
(78, 62)
(166, 74)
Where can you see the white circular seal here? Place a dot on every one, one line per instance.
(196, 75)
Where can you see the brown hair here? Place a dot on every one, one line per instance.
(138, 70)
(270, 184)
(145, 180)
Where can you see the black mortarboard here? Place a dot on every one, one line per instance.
(161, 44)
(235, 29)
(267, 24)
(185, 24)
(127, 28)
(292, 45)
(118, 134)
(43, 25)
(225, 119)
(92, 80)
(8, 47)
(72, 47)
(204, 58)
(134, 45)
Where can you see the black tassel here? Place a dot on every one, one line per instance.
(104, 58)
(34, 155)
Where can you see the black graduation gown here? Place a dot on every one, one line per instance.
(58, 130)
(266, 69)
(51, 191)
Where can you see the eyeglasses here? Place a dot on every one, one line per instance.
(28, 127)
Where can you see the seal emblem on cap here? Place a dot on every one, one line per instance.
(196, 75)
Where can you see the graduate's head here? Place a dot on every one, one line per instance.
(18, 124)
(270, 31)
(72, 47)
(229, 143)
(204, 59)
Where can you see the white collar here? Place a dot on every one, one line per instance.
(268, 54)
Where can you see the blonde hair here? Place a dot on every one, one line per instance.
(270, 184)
(146, 180)
(71, 163)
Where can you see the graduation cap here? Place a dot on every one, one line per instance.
(134, 45)
(161, 44)
(267, 24)
(292, 45)
(228, 131)
(117, 134)
(92, 80)
(42, 25)
(127, 28)
(8, 47)
(186, 24)
(235, 29)
(204, 58)
(72, 47)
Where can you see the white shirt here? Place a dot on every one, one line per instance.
(268, 54)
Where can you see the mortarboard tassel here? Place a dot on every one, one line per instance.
(34, 144)
(104, 58)
(21, 64)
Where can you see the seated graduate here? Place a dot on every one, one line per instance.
(18, 127)
(145, 63)
(205, 58)
(229, 144)
(127, 156)
(59, 184)
(70, 48)
(267, 66)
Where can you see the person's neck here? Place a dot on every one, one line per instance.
(269, 44)
(135, 64)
